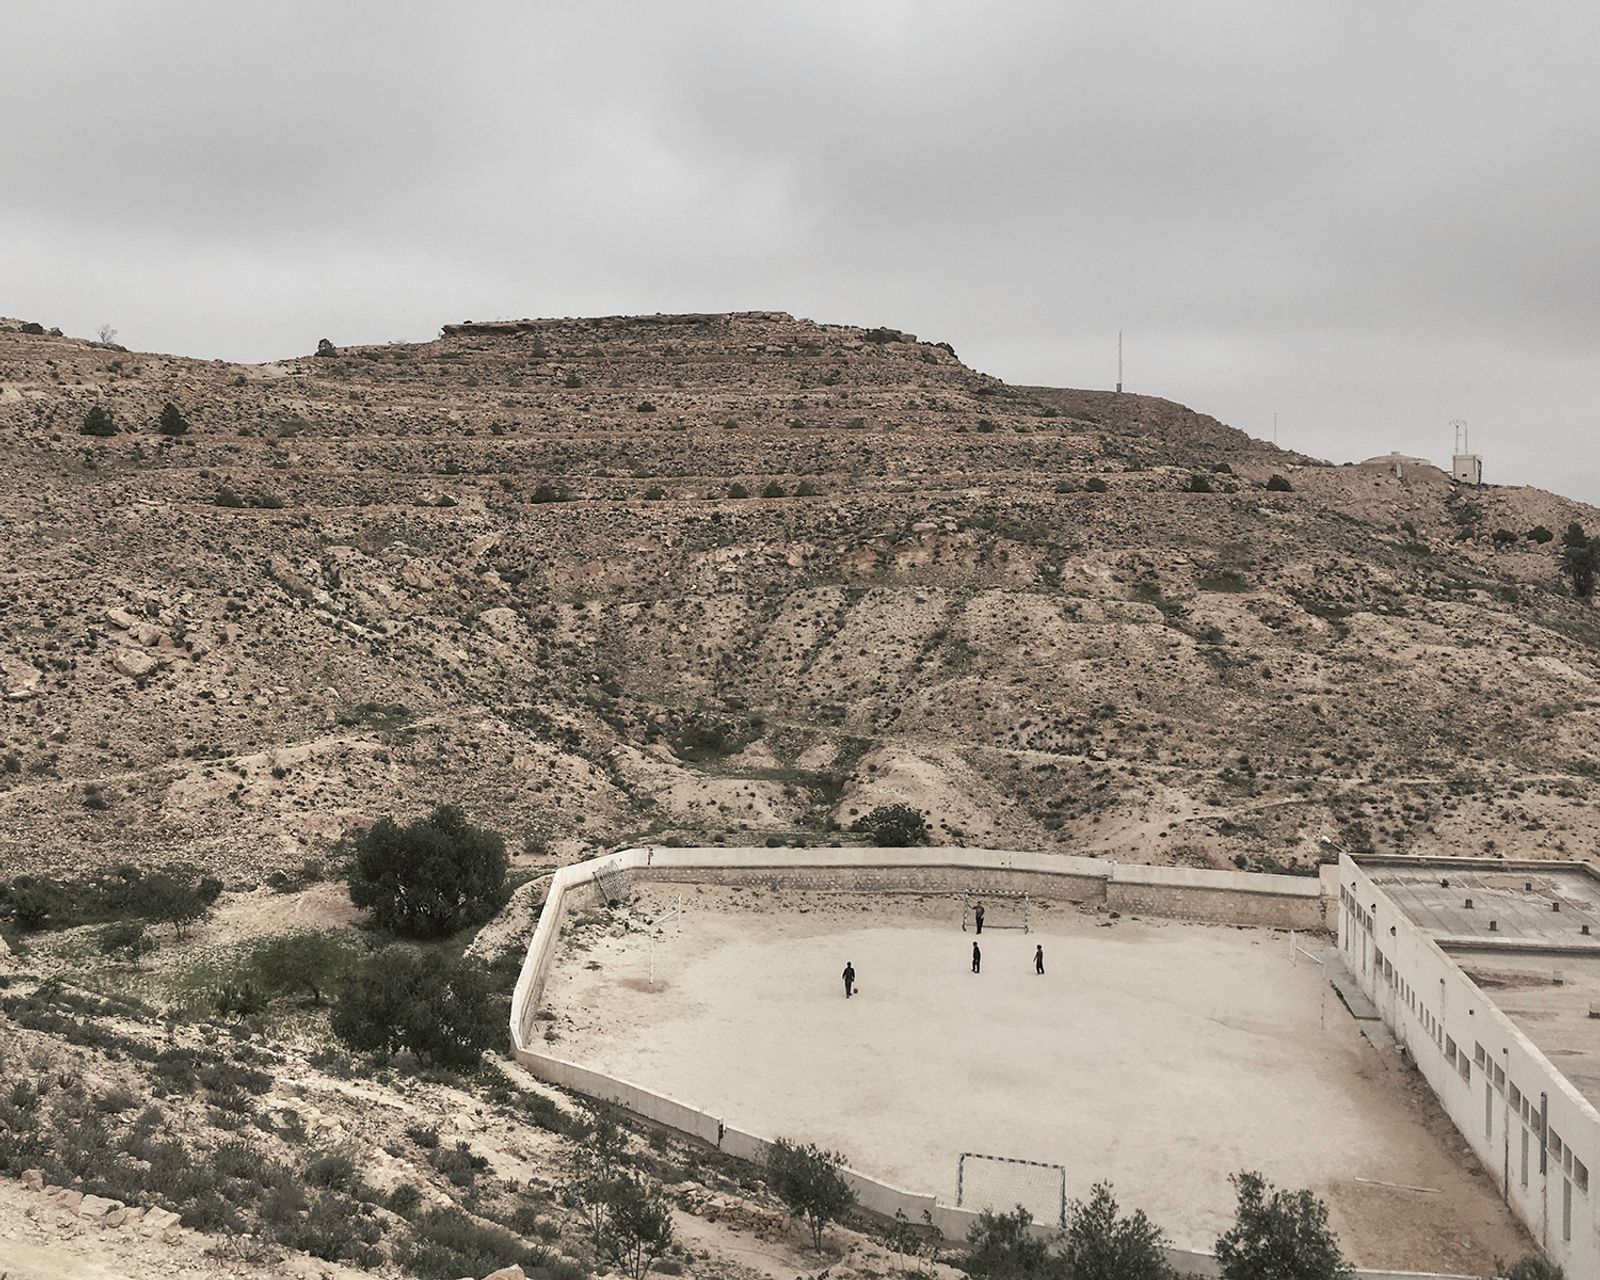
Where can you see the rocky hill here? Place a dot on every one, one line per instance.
(735, 577)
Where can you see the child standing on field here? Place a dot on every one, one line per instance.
(849, 979)
(977, 958)
(1038, 958)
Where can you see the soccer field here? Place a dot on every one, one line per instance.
(1158, 1056)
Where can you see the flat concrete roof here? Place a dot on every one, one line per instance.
(1534, 906)
(1549, 997)
(1522, 941)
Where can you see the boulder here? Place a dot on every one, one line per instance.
(97, 1206)
(121, 619)
(66, 1197)
(133, 663)
(513, 1272)
(157, 1219)
(33, 1179)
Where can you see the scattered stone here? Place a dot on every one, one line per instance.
(33, 1179)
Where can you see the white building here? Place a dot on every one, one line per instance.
(1466, 468)
(1488, 974)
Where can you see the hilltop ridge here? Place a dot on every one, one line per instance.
(739, 577)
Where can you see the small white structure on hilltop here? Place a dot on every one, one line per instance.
(1465, 467)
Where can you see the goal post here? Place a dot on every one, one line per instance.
(1003, 1183)
(1001, 910)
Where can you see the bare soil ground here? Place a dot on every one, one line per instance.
(1155, 1055)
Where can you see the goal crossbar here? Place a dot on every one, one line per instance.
(1015, 910)
(1002, 1183)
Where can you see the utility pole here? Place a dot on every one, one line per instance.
(1119, 361)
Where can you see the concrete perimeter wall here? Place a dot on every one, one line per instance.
(1224, 897)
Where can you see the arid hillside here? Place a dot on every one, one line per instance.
(734, 577)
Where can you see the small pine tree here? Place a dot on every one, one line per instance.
(98, 422)
(810, 1181)
(1580, 559)
(325, 348)
(638, 1224)
(172, 422)
(774, 490)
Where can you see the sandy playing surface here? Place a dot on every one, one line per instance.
(1154, 1055)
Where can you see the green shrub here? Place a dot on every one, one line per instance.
(738, 491)
(445, 1244)
(1094, 484)
(774, 490)
(1199, 484)
(1278, 484)
(893, 826)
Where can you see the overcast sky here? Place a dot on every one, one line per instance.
(1369, 218)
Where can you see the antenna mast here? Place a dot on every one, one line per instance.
(1119, 360)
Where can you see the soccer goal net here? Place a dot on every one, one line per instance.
(1000, 911)
(1002, 1183)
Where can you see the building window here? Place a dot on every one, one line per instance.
(1515, 1097)
(1465, 1068)
(1580, 1175)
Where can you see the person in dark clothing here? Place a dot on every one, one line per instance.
(977, 958)
(977, 916)
(849, 979)
(1038, 958)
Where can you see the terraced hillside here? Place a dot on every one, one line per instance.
(734, 577)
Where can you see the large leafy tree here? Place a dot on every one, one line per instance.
(1100, 1244)
(1004, 1247)
(430, 878)
(1279, 1235)
(443, 1011)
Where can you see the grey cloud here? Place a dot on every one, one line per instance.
(1369, 218)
